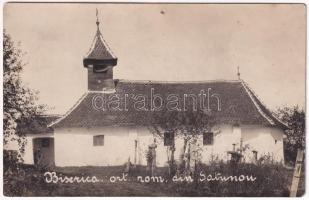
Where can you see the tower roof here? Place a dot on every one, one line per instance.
(99, 48)
(99, 52)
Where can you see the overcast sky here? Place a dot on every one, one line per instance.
(163, 42)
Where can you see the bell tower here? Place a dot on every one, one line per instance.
(99, 62)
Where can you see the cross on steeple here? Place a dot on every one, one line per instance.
(97, 13)
(98, 23)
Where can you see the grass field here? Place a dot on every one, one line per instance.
(272, 181)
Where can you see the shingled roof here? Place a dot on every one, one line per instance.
(99, 49)
(238, 103)
(99, 53)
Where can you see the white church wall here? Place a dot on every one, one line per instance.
(254, 137)
(74, 146)
(12, 144)
(28, 157)
(224, 137)
(267, 141)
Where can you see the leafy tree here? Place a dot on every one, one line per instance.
(295, 136)
(19, 102)
(187, 125)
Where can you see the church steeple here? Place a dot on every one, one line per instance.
(100, 61)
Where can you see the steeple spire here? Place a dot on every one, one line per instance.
(97, 13)
(100, 61)
(97, 22)
(99, 52)
(238, 73)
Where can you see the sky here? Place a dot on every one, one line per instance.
(166, 42)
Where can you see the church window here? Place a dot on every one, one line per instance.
(168, 138)
(45, 142)
(208, 138)
(255, 153)
(98, 140)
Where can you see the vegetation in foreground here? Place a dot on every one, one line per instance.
(271, 181)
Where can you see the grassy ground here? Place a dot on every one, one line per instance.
(32, 183)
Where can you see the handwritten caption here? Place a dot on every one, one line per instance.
(53, 177)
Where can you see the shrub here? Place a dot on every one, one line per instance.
(22, 180)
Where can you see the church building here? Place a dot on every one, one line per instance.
(109, 126)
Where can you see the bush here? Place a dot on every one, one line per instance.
(22, 180)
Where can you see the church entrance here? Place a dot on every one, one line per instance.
(43, 152)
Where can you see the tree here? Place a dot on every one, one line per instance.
(187, 125)
(294, 117)
(19, 102)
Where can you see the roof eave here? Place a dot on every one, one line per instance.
(99, 61)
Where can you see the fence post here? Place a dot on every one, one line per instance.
(297, 172)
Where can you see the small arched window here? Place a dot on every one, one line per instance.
(255, 155)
